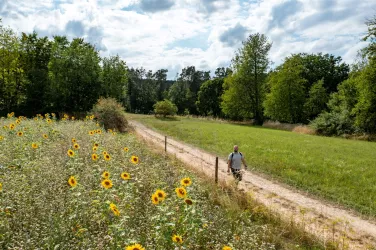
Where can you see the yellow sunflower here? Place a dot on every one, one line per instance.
(34, 145)
(91, 117)
(95, 148)
(135, 247)
(49, 120)
(104, 153)
(125, 176)
(73, 118)
(105, 175)
(94, 157)
(97, 124)
(188, 201)
(186, 182)
(96, 144)
(177, 239)
(18, 121)
(91, 132)
(70, 152)
(12, 126)
(45, 136)
(161, 194)
(114, 209)
(99, 131)
(107, 183)
(1, 138)
(134, 159)
(5, 127)
(53, 114)
(226, 248)
(181, 192)
(1, 187)
(126, 149)
(74, 140)
(107, 157)
(20, 133)
(72, 181)
(154, 199)
(76, 146)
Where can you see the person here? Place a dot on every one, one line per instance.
(235, 160)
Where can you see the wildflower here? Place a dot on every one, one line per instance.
(74, 140)
(95, 148)
(114, 209)
(188, 201)
(109, 130)
(107, 183)
(106, 175)
(49, 120)
(96, 144)
(126, 149)
(99, 131)
(226, 248)
(45, 136)
(70, 152)
(134, 247)
(181, 192)
(1, 138)
(76, 146)
(161, 194)
(91, 132)
(20, 133)
(91, 117)
(53, 114)
(12, 126)
(72, 181)
(97, 124)
(73, 118)
(154, 199)
(107, 157)
(94, 157)
(18, 121)
(104, 153)
(186, 182)
(125, 176)
(177, 239)
(34, 145)
(134, 159)
(5, 127)
(1, 187)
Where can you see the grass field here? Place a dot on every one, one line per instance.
(58, 190)
(343, 171)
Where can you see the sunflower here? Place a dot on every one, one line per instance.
(134, 159)
(94, 157)
(72, 181)
(70, 152)
(5, 127)
(181, 192)
(91, 117)
(107, 157)
(125, 176)
(106, 175)
(104, 153)
(134, 247)
(114, 209)
(53, 114)
(126, 149)
(188, 201)
(1, 187)
(73, 118)
(34, 145)
(76, 146)
(109, 130)
(1, 138)
(96, 144)
(49, 120)
(107, 183)
(12, 126)
(99, 131)
(74, 140)
(20, 133)
(154, 199)
(161, 194)
(186, 182)
(18, 121)
(226, 248)
(177, 239)
(45, 136)
(91, 132)
(97, 124)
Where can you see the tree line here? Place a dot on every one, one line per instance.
(39, 75)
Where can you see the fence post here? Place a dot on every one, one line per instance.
(216, 169)
(165, 143)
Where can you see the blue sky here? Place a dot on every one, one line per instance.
(173, 34)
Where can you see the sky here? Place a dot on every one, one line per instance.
(173, 34)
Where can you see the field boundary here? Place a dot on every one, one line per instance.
(324, 221)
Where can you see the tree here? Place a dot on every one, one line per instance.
(114, 77)
(210, 97)
(165, 108)
(287, 96)
(370, 50)
(180, 95)
(316, 102)
(250, 66)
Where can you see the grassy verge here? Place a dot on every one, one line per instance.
(343, 171)
(41, 207)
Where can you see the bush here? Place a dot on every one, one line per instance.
(110, 114)
(165, 108)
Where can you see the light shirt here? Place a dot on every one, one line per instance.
(236, 160)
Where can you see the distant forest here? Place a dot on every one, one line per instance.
(40, 75)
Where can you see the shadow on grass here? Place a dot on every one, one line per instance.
(167, 118)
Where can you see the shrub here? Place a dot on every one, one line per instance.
(110, 114)
(165, 108)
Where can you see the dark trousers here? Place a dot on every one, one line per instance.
(237, 174)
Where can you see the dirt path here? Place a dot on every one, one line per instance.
(323, 220)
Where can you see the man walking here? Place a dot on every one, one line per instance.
(234, 163)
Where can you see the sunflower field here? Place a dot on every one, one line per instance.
(68, 184)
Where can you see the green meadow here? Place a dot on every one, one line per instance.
(342, 171)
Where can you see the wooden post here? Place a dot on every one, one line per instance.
(165, 143)
(216, 169)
